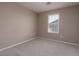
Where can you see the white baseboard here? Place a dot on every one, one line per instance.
(2, 49)
(60, 41)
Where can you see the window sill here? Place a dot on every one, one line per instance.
(54, 32)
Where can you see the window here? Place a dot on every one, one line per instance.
(53, 23)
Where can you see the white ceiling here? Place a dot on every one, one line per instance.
(42, 6)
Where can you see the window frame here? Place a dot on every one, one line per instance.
(58, 22)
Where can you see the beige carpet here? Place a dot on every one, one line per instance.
(42, 47)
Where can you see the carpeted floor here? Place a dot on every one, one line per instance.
(42, 47)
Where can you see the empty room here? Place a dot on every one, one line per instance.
(39, 28)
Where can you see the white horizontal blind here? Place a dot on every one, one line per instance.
(53, 23)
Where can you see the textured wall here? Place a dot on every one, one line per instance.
(68, 27)
(16, 24)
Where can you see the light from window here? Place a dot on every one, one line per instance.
(53, 23)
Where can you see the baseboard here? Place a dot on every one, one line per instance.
(60, 41)
(2, 49)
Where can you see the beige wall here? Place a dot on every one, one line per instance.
(16, 24)
(68, 27)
